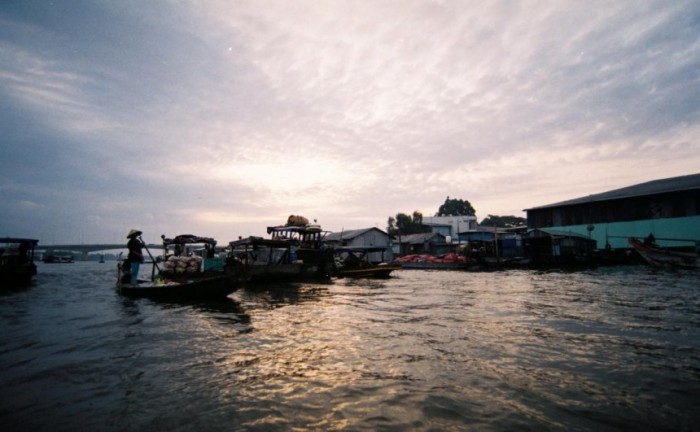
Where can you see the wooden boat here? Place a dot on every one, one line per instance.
(17, 266)
(661, 257)
(356, 262)
(204, 287)
(292, 253)
(424, 265)
(191, 270)
(58, 259)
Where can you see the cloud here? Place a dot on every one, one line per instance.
(225, 116)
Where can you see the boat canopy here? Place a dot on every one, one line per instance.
(187, 239)
(18, 240)
(259, 241)
(294, 229)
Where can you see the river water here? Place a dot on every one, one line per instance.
(608, 349)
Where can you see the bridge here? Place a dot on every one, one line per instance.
(82, 250)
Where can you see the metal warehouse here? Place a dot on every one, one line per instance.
(667, 208)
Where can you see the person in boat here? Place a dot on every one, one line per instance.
(23, 252)
(211, 249)
(650, 240)
(135, 257)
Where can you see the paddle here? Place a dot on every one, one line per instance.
(149, 253)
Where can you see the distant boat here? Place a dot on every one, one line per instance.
(354, 262)
(17, 266)
(662, 257)
(58, 259)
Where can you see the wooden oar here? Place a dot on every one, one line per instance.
(155, 263)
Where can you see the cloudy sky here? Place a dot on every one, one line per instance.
(220, 117)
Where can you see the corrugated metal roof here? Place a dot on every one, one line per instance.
(350, 234)
(673, 184)
(420, 238)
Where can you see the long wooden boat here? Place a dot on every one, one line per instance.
(17, 266)
(661, 257)
(191, 270)
(355, 262)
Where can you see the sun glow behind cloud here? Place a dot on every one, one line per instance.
(346, 111)
(295, 180)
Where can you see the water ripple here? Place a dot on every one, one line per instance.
(605, 349)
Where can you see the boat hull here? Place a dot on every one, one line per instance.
(17, 266)
(52, 259)
(374, 272)
(201, 288)
(660, 257)
(434, 266)
(274, 273)
(279, 273)
(18, 277)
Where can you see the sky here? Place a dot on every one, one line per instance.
(222, 117)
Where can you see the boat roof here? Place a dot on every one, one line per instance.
(672, 184)
(33, 242)
(351, 234)
(187, 239)
(260, 241)
(310, 228)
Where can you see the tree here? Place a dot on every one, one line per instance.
(404, 224)
(503, 221)
(391, 226)
(417, 217)
(456, 207)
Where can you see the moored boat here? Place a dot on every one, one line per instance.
(662, 257)
(356, 262)
(293, 252)
(17, 266)
(58, 259)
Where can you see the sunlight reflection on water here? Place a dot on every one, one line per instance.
(600, 349)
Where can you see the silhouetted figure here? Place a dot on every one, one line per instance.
(135, 254)
(650, 240)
